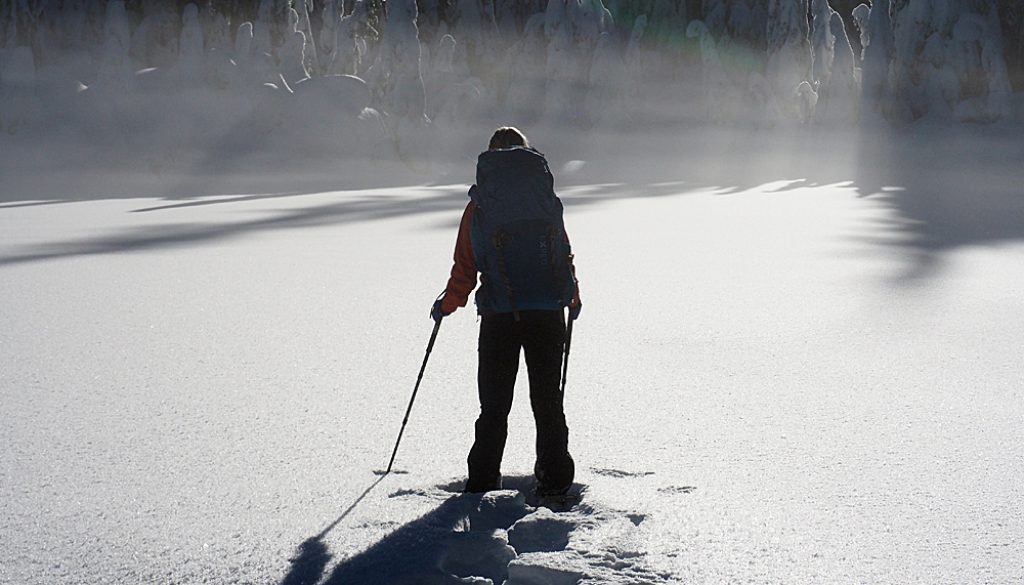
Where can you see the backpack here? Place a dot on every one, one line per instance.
(518, 237)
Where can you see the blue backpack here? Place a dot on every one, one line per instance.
(518, 237)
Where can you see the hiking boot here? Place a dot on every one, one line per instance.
(476, 486)
(546, 491)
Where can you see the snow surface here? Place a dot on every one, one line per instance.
(798, 362)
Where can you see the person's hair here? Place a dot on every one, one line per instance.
(507, 137)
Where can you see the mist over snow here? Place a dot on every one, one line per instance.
(798, 226)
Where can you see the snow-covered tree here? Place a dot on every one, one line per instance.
(715, 17)
(155, 41)
(877, 57)
(310, 58)
(191, 64)
(713, 75)
(949, 61)
(270, 26)
(562, 103)
(115, 72)
(789, 51)
(327, 40)
(861, 17)
(528, 85)
(477, 35)
(806, 100)
(216, 27)
(635, 54)
(399, 81)
(351, 57)
(507, 20)
(840, 97)
(17, 88)
(245, 73)
(822, 41)
(292, 53)
(746, 21)
(588, 21)
(604, 91)
(667, 23)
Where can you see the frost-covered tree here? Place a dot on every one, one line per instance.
(715, 17)
(635, 56)
(588, 20)
(562, 102)
(216, 27)
(948, 60)
(477, 35)
(822, 41)
(877, 57)
(508, 21)
(453, 94)
(555, 18)
(353, 30)
(667, 23)
(327, 40)
(399, 81)
(191, 64)
(1011, 16)
(69, 25)
(806, 100)
(605, 84)
(270, 26)
(789, 51)
(115, 72)
(861, 16)
(155, 41)
(18, 20)
(245, 72)
(17, 88)
(310, 58)
(840, 98)
(746, 22)
(713, 77)
(528, 85)
(292, 53)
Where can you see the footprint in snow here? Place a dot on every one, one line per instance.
(620, 473)
(498, 537)
(678, 489)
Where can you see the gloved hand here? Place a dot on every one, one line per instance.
(574, 311)
(436, 312)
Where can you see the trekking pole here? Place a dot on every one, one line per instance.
(430, 346)
(568, 344)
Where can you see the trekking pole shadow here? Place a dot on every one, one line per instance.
(308, 566)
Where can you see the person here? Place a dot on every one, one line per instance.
(512, 234)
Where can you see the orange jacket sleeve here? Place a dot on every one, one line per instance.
(463, 278)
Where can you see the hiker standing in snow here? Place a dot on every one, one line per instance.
(512, 234)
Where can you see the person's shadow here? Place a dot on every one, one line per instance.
(454, 541)
(309, 564)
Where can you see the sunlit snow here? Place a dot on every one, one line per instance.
(798, 359)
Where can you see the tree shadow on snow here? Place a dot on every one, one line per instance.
(346, 210)
(947, 186)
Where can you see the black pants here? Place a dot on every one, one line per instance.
(541, 335)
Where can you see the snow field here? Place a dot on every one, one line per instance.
(778, 376)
